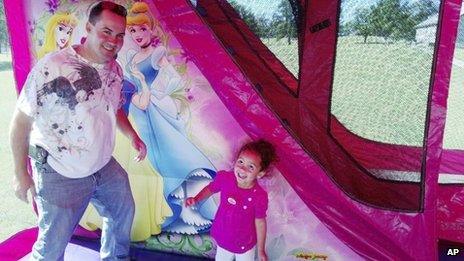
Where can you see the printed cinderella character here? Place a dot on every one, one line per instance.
(155, 110)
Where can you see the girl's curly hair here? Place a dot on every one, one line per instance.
(264, 149)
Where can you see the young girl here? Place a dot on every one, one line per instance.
(240, 223)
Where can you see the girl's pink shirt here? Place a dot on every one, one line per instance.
(234, 224)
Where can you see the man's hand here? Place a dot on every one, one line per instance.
(126, 128)
(21, 185)
(138, 144)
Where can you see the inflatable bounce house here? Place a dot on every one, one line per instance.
(366, 121)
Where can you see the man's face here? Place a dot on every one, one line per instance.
(106, 37)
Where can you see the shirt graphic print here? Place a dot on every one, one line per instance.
(73, 103)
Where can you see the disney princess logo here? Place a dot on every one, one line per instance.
(311, 256)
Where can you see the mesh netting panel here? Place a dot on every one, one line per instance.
(382, 69)
(275, 23)
(454, 128)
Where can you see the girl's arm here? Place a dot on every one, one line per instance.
(203, 194)
(260, 224)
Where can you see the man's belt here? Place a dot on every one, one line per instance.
(38, 153)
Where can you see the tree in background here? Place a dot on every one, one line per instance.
(361, 24)
(421, 10)
(3, 29)
(284, 22)
(391, 19)
(257, 25)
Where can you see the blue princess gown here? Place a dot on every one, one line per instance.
(184, 168)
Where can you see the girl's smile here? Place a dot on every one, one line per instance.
(247, 169)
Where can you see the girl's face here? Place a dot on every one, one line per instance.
(141, 34)
(62, 34)
(247, 169)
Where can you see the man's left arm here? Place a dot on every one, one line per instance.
(126, 128)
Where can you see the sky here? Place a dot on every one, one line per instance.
(260, 7)
(269, 7)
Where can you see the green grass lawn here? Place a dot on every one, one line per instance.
(459, 53)
(380, 90)
(14, 214)
(287, 53)
(454, 129)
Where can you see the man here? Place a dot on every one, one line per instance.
(65, 118)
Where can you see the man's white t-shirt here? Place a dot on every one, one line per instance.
(73, 103)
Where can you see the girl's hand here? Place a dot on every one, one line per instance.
(190, 202)
(139, 145)
(262, 255)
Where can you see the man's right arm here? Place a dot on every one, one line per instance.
(20, 129)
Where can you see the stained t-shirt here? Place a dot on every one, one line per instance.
(73, 103)
(234, 224)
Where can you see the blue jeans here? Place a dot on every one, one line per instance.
(61, 202)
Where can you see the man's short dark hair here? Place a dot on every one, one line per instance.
(97, 9)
